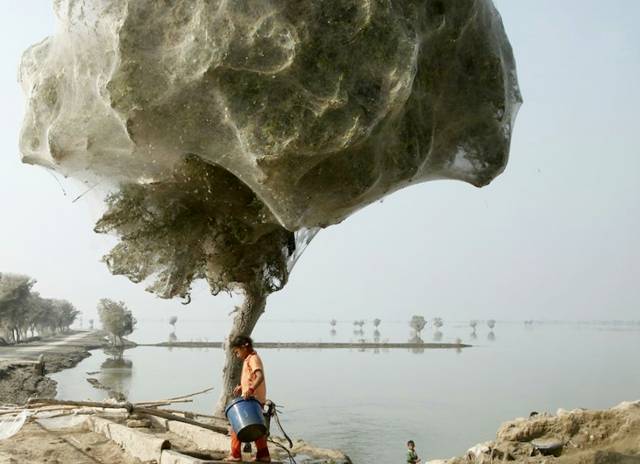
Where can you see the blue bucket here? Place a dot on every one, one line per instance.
(246, 418)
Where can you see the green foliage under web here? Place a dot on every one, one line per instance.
(201, 222)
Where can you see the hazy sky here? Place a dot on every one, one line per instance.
(556, 236)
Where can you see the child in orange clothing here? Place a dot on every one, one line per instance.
(252, 383)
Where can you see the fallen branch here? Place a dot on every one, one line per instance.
(132, 408)
(174, 417)
(153, 404)
(181, 397)
(91, 404)
(195, 414)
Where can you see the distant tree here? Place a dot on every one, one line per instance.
(376, 322)
(361, 323)
(333, 322)
(90, 324)
(23, 310)
(491, 323)
(417, 323)
(473, 324)
(437, 322)
(38, 314)
(116, 319)
(64, 314)
(15, 291)
(173, 320)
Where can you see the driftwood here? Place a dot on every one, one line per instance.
(135, 408)
(195, 414)
(206, 390)
(174, 417)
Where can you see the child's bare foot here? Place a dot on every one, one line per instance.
(232, 459)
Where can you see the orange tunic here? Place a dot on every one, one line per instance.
(251, 364)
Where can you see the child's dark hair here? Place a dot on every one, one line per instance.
(411, 442)
(241, 340)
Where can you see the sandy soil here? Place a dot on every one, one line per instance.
(36, 445)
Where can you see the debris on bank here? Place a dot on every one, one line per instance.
(128, 433)
(579, 436)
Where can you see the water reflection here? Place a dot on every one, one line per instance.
(115, 374)
(376, 336)
(473, 324)
(418, 342)
(491, 336)
(387, 405)
(437, 336)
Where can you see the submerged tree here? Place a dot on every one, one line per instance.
(172, 321)
(116, 319)
(491, 323)
(376, 322)
(437, 322)
(417, 323)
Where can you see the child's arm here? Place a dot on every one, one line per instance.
(259, 378)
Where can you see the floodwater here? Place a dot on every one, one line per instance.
(370, 402)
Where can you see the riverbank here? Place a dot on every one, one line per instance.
(24, 367)
(580, 436)
(130, 433)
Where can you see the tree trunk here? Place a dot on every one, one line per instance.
(247, 316)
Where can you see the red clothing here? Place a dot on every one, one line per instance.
(251, 364)
(261, 445)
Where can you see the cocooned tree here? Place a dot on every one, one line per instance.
(116, 319)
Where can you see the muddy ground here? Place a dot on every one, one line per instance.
(24, 367)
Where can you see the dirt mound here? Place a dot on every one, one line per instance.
(579, 436)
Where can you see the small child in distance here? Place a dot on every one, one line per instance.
(412, 456)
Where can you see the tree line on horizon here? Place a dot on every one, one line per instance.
(24, 311)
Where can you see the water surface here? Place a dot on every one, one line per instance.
(370, 402)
